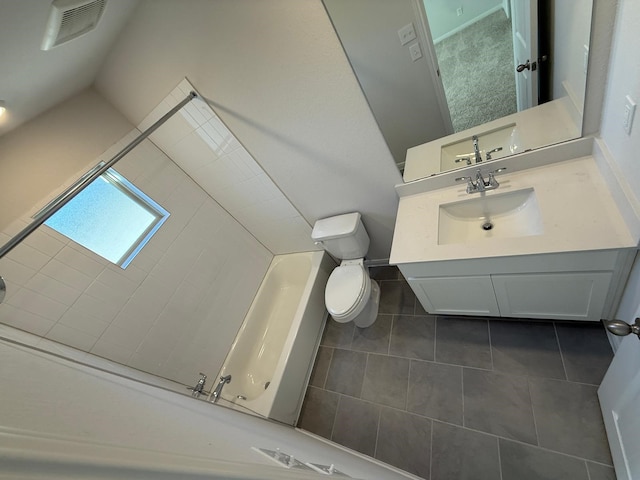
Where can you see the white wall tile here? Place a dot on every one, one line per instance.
(15, 272)
(80, 261)
(52, 288)
(91, 306)
(38, 304)
(78, 319)
(42, 241)
(69, 336)
(29, 256)
(66, 274)
(25, 320)
(111, 351)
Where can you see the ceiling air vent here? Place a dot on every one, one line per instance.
(69, 19)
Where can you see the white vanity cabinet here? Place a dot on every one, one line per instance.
(563, 286)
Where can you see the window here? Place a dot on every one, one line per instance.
(110, 217)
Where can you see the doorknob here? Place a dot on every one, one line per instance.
(618, 327)
(527, 66)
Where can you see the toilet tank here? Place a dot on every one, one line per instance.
(343, 236)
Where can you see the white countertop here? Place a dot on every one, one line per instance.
(546, 124)
(577, 209)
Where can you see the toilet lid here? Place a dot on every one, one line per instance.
(344, 289)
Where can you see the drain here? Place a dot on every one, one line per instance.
(266, 385)
(487, 226)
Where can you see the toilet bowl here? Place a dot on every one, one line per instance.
(350, 294)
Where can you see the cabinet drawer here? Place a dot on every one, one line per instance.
(568, 296)
(468, 295)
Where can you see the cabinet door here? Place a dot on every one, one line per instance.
(456, 295)
(568, 296)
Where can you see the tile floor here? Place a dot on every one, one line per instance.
(449, 398)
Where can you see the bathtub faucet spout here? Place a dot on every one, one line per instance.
(218, 391)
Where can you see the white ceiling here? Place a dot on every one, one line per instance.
(32, 80)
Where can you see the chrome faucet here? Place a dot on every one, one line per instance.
(490, 152)
(218, 391)
(199, 387)
(476, 148)
(479, 184)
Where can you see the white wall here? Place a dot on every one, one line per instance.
(276, 74)
(59, 400)
(624, 79)
(39, 156)
(444, 20)
(403, 94)
(175, 310)
(569, 76)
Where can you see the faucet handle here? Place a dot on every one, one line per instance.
(459, 179)
(463, 159)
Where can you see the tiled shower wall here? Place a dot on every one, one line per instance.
(174, 311)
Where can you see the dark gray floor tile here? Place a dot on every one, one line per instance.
(396, 297)
(386, 380)
(498, 403)
(404, 441)
(523, 462)
(586, 351)
(526, 348)
(318, 411)
(346, 372)
(568, 418)
(413, 337)
(337, 334)
(356, 425)
(461, 454)
(321, 367)
(598, 471)
(435, 390)
(385, 273)
(420, 309)
(463, 341)
(375, 338)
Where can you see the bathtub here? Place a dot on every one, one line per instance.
(271, 358)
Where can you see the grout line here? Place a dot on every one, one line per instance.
(406, 399)
(533, 413)
(499, 457)
(335, 415)
(393, 318)
(564, 367)
(462, 385)
(435, 336)
(375, 448)
(586, 465)
(326, 375)
(431, 453)
(490, 344)
(364, 375)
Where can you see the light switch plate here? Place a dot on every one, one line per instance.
(415, 51)
(407, 33)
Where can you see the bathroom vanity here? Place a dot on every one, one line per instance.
(551, 241)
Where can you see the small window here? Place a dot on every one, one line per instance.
(110, 217)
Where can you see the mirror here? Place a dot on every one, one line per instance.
(424, 116)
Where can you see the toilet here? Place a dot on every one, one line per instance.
(350, 294)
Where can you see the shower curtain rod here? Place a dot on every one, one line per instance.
(76, 188)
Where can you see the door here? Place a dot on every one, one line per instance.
(524, 18)
(619, 395)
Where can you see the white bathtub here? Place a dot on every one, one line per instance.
(271, 358)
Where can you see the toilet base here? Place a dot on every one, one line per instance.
(368, 316)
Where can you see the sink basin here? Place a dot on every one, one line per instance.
(502, 137)
(504, 215)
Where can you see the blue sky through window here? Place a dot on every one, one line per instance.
(111, 217)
